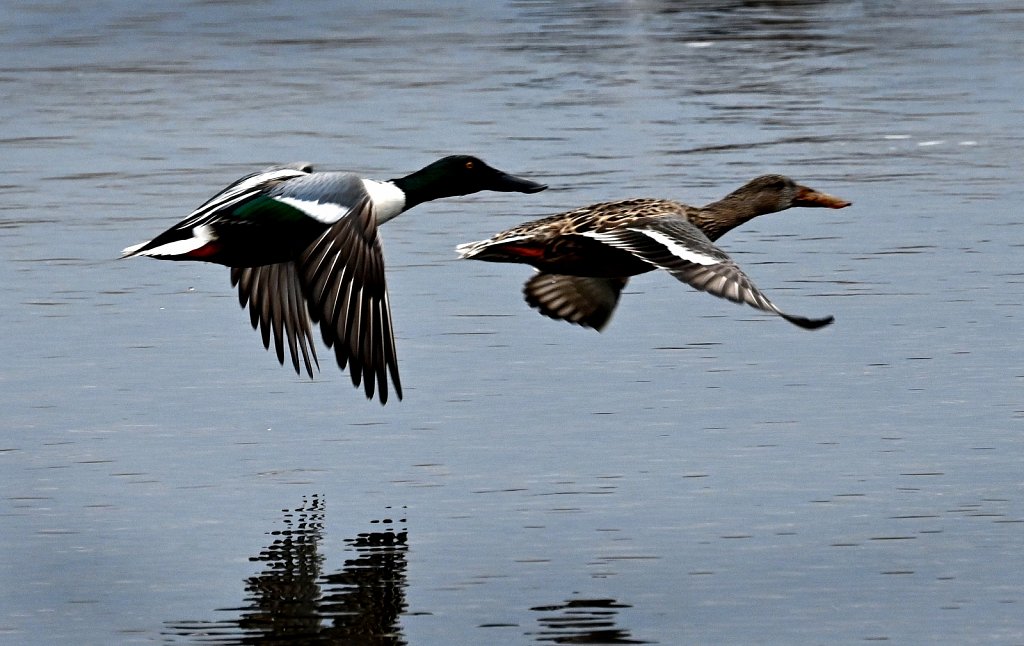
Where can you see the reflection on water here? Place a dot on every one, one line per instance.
(293, 601)
(583, 621)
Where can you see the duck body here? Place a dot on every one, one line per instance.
(586, 256)
(260, 219)
(571, 243)
(304, 247)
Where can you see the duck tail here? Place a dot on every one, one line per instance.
(519, 249)
(134, 250)
(471, 249)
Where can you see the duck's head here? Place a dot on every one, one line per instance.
(461, 175)
(771, 193)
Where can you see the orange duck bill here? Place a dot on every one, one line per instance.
(810, 197)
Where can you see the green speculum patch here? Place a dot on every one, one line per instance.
(268, 209)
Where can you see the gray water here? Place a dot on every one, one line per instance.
(699, 473)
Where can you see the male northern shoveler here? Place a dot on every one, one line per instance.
(303, 247)
(586, 256)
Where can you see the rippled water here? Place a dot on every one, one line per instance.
(698, 473)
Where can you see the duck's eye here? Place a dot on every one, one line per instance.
(469, 165)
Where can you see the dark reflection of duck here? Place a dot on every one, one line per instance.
(293, 602)
(583, 621)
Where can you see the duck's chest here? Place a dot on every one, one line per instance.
(388, 200)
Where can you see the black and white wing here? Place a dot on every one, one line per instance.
(680, 248)
(272, 293)
(277, 305)
(342, 274)
(337, 281)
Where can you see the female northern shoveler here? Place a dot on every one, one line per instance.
(304, 246)
(586, 256)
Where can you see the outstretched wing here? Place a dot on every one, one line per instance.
(274, 296)
(342, 274)
(680, 248)
(582, 300)
(337, 281)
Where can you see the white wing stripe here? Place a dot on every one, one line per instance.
(674, 247)
(679, 250)
(325, 212)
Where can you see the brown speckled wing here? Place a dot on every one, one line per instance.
(680, 248)
(582, 300)
(727, 280)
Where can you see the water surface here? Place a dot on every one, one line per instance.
(698, 473)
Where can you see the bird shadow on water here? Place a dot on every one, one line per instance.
(292, 601)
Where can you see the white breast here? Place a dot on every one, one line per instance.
(388, 200)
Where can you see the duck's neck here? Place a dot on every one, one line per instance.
(718, 218)
(423, 186)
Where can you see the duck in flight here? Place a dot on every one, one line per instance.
(585, 257)
(303, 248)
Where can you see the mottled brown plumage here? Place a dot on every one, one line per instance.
(586, 256)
